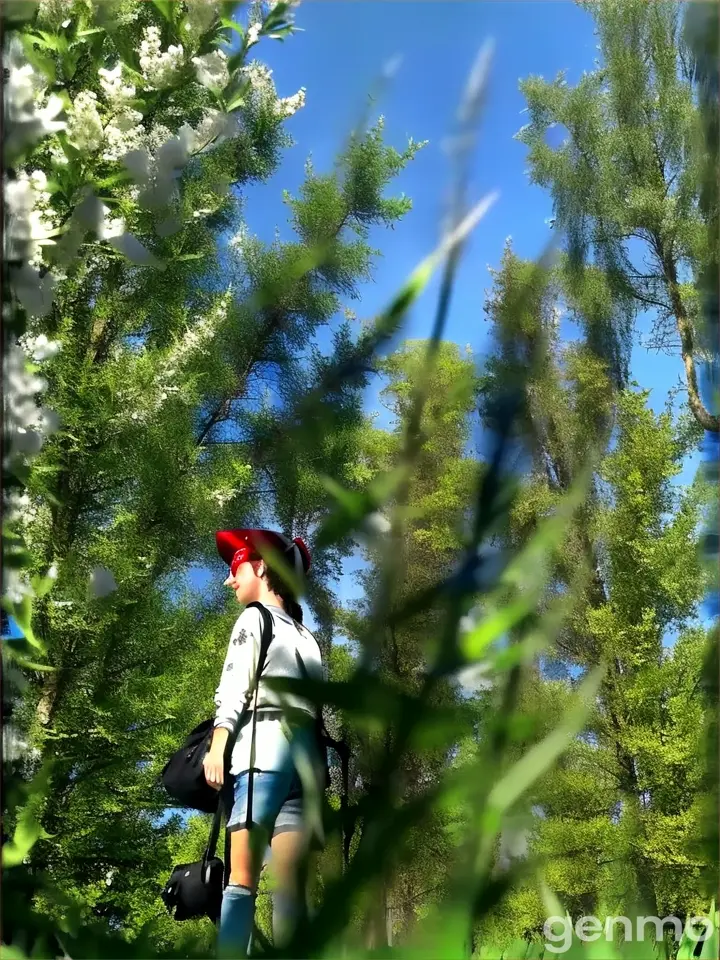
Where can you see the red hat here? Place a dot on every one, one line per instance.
(230, 541)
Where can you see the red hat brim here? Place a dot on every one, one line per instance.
(229, 541)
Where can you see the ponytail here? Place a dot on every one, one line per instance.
(282, 589)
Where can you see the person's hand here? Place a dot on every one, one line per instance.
(214, 767)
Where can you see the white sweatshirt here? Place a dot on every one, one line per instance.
(291, 648)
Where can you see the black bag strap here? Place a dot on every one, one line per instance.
(265, 638)
(267, 629)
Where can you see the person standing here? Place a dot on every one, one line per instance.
(285, 738)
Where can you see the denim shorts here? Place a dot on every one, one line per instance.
(277, 797)
(277, 801)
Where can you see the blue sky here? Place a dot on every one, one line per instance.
(339, 57)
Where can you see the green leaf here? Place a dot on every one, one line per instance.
(11, 952)
(44, 65)
(71, 152)
(27, 832)
(236, 92)
(166, 9)
(283, 32)
(50, 41)
(33, 664)
(42, 585)
(117, 178)
(709, 948)
(493, 627)
(236, 60)
(355, 506)
(236, 102)
(232, 25)
(70, 62)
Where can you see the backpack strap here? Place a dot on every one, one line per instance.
(265, 639)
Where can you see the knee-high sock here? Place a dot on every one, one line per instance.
(286, 912)
(236, 922)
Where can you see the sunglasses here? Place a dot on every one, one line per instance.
(241, 556)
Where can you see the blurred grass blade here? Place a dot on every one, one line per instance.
(527, 573)
(354, 506)
(541, 756)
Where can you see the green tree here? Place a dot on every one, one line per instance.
(626, 179)
(616, 822)
(440, 491)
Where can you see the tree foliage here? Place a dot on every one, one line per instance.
(626, 178)
(618, 821)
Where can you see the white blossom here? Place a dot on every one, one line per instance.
(29, 511)
(39, 184)
(31, 227)
(27, 117)
(26, 423)
(85, 129)
(212, 70)
(14, 745)
(116, 92)
(150, 397)
(253, 34)
(123, 134)
(263, 88)
(28, 228)
(156, 137)
(213, 127)
(262, 85)
(223, 497)
(376, 523)
(259, 75)
(57, 154)
(374, 528)
(160, 69)
(16, 506)
(157, 176)
(39, 348)
(15, 586)
(287, 106)
(36, 293)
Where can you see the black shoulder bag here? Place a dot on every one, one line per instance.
(196, 889)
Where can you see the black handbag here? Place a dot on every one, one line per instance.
(196, 889)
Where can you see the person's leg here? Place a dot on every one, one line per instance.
(238, 903)
(288, 847)
(292, 836)
(246, 852)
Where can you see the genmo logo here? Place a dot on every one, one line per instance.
(560, 931)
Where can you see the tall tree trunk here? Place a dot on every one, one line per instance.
(683, 324)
